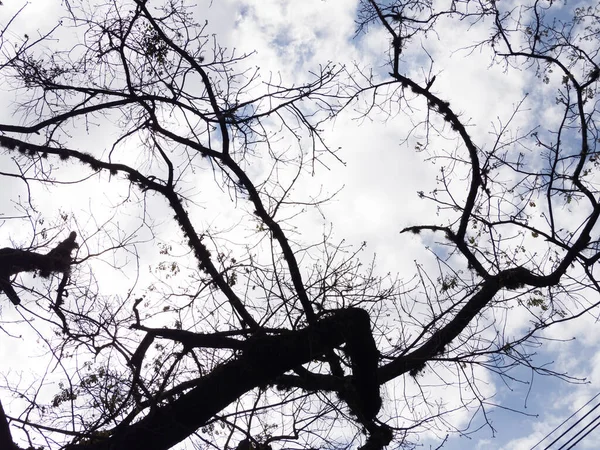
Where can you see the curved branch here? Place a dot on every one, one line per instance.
(145, 183)
(264, 358)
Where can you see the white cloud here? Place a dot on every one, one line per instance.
(382, 173)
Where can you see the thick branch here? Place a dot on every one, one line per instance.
(13, 261)
(195, 242)
(264, 358)
(6, 441)
(416, 360)
(190, 339)
(443, 108)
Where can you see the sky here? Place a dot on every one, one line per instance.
(376, 186)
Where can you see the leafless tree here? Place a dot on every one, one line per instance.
(223, 336)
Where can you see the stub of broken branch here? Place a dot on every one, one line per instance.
(14, 261)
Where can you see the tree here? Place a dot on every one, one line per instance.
(244, 321)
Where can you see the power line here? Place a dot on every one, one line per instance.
(584, 436)
(579, 432)
(573, 426)
(565, 421)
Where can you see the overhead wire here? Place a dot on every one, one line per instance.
(584, 436)
(565, 421)
(577, 422)
(579, 432)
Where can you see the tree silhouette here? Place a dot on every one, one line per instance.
(222, 336)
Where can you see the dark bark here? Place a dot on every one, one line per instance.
(264, 358)
(13, 261)
(6, 441)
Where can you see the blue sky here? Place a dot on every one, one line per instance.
(379, 181)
